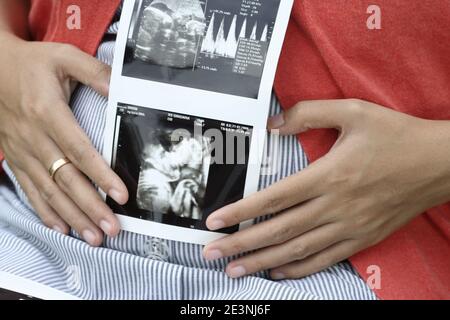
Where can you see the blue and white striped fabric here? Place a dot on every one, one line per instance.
(133, 266)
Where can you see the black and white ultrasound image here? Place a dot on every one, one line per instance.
(173, 175)
(169, 163)
(214, 45)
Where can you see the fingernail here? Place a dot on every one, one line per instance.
(237, 272)
(106, 226)
(216, 225)
(213, 254)
(117, 196)
(58, 229)
(278, 276)
(89, 236)
(276, 121)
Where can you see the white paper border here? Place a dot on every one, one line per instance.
(200, 103)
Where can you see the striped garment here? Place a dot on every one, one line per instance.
(133, 266)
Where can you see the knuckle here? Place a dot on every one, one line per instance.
(62, 50)
(48, 192)
(324, 261)
(299, 251)
(37, 111)
(77, 153)
(238, 247)
(235, 217)
(361, 222)
(291, 273)
(100, 70)
(257, 265)
(354, 103)
(65, 178)
(295, 112)
(105, 179)
(93, 210)
(273, 203)
(282, 233)
(82, 154)
(298, 108)
(22, 132)
(90, 210)
(31, 193)
(355, 107)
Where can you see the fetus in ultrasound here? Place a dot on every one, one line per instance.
(173, 175)
(169, 33)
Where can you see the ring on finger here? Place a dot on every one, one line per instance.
(58, 164)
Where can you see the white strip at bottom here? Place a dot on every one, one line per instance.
(30, 288)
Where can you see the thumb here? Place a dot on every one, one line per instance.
(315, 114)
(86, 69)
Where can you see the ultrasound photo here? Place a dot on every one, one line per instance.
(169, 32)
(173, 174)
(176, 167)
(214, 45)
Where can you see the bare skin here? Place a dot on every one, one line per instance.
(385, 169)
(37, 127)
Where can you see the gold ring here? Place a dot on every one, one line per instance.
(58, 164)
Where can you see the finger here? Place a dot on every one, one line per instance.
(48, 216)
(316, 114)
(296, 249)
(315, 263)
(75, 185)
(86, 69)
(62, 204)
(75, 145)
(285, 226)
(293, 190)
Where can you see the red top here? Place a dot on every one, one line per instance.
(330, 53)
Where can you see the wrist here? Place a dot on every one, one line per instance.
(12, 48)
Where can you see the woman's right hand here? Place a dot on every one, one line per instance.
(37, 128)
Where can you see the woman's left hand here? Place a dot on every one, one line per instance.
(385, 169)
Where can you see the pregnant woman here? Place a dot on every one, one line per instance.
(379, 90)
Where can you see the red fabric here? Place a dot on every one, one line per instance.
(48, 21)
(330, 53)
